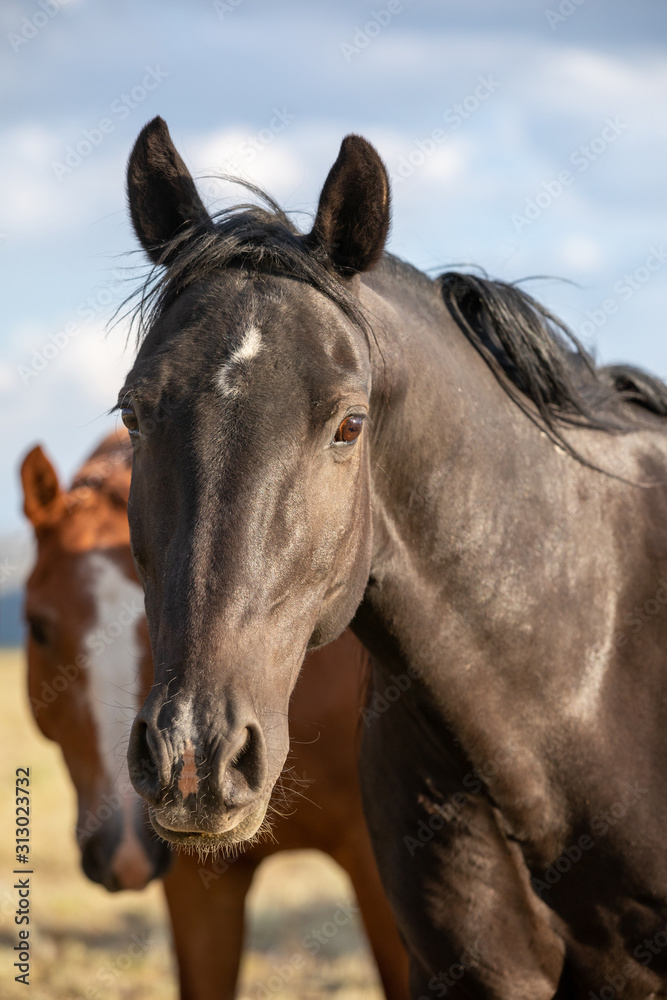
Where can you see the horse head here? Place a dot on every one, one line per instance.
(249, 509)
(89, 665)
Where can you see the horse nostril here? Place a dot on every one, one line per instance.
(245, 772)
(244, 760)
(142, 760)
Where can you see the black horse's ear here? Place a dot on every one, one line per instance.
(352, 220)
(162, 194)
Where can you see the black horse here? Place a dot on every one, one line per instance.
(324, 434)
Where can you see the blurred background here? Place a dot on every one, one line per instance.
(525, 136)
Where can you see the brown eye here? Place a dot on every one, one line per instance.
(349, 430)
(129, 418)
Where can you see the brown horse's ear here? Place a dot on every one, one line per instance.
(41, 488)
(163, 198)
(353, 214)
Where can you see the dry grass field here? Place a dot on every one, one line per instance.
(80, 935)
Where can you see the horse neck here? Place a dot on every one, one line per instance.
(449, 453)
(443, 427)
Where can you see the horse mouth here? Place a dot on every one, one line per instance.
(212, 840)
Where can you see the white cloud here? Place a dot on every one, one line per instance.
(269, 159)
(63, 405)
(92, 362)
(97, 363)
(34, 203)
(581, 81)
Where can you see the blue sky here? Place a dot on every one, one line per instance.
(527, 137)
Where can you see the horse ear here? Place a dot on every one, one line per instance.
(40, 486)
(162, 194)
(352, 220)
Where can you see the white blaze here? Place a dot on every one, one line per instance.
(114, 664)
(115, 654)
(245, 352)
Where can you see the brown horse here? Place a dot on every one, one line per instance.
(89, 670)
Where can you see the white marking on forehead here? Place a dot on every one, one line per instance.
(249, 347)
(115, 654)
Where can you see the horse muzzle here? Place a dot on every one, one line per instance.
(205, 791)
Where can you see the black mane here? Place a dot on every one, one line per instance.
(533, 354)
(536, 356)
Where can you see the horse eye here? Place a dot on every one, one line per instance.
(129, 418)
(38, 631)
(349, 430)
